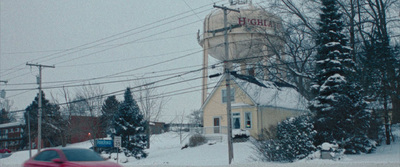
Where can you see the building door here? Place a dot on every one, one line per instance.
(216, 125)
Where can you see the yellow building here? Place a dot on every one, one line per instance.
(257, 106)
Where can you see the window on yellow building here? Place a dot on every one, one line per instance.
(224, 95)
(247, 120)
(236, 120)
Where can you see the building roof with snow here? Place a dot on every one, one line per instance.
(269, 94)
(11, 124)
(265, 93)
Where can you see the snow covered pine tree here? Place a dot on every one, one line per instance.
(294, 140)
(340, 110)
(130, 125)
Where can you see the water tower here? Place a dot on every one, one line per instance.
(253, 34)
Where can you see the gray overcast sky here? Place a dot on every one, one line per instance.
(143, 34)
(96, 41)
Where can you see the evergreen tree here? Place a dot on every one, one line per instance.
(4, 118)
(130, 125)
(296, 136)
(53, 125)
(340, 111)
(108, 110)
(294, 140)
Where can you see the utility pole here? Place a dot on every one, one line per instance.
(227, 67)
(39, 80)
(29, 135)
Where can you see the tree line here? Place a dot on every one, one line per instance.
(345, 59)
(114, 118)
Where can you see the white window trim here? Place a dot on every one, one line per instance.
(233, 117)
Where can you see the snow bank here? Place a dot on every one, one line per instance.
(166, 151)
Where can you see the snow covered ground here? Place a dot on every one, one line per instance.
(166, 151)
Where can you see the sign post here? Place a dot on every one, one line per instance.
(117, 143)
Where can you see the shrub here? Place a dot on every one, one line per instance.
(196, 140)
(294, 140)
(239, 135)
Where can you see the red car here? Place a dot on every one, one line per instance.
(66, 157)
(5, 150)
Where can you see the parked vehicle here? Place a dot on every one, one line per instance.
(107, 150)
(68, 157)
(5, 150)
(5, 153)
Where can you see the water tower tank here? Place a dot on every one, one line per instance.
(252, 33)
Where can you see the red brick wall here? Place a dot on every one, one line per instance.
(84, 128)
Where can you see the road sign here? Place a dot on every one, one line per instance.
(117, 141)
(104, 143)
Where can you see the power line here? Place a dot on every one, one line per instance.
(119, 76)
(153, 64)
(186, 55)
(126, 43)
(110, 82)
(116, 74)
(131, 41)
(119, 34)
(113, 75)
(144, 67)
(59, 50)
(120, 60)
(109, 76)
(120, 92)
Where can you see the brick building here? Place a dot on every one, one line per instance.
(11, 135)
(83, 128)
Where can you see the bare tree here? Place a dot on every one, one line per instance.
(64, 132)
(151, 105)
(6, 105)
(91, 96)
(196, 118)
(380, 70)
(178, 124)
(291, 65)
(87, 105)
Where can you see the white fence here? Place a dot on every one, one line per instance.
(209, 130)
